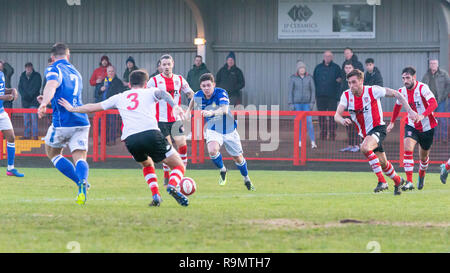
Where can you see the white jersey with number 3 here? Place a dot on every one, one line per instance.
(137, 107)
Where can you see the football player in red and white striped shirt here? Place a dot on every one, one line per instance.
(174, 85)
(421, 131)
(363, 103)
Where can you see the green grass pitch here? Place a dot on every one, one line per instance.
(289, 212)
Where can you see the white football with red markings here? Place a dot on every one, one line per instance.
(187, 186)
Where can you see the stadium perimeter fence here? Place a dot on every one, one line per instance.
(265, 135)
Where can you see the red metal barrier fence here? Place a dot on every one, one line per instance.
(266, 135)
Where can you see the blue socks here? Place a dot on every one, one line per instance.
(65, 167)
(243, 168)
(217, 159)
(11, 150)
(82, 169)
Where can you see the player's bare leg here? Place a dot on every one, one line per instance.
(11, 151)
(176, 165)
(389, 170)
(408, 162)
(241, 164)
(367, 147)
(424, 156)
(148, 168)
(166, 168)
(216, 157)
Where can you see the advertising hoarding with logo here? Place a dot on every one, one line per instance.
(303, 19)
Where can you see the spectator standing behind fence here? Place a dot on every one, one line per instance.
(439, 82)
(8, 71)
(302, 97)
(373, 74)
(327, 79)
(159, 69)
(131, 66)
(230, 78)
(112, 85)
(350, 56)
(98, 77)
(352, 133)
(29, 89)
(193, 77)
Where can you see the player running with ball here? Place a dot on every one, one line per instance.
(363, 103)
(220, 127)
(141, 134)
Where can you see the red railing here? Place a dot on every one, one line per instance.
(289, 149)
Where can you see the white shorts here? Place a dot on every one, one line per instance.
(74, 137)
(232, 141)
(5, 122)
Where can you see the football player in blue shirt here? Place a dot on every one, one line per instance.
(220, 127)
(6, 127)
(67, 129)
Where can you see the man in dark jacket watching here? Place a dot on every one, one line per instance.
(327, 79)
(198, 69)
(350, 56)
(373, 75)
(112, 85)
(439, 82)
(231, 79)
(29, 89)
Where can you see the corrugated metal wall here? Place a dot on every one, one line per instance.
(140, 28)
(407, 33)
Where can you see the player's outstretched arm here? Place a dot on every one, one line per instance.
(339, 118)
(87, 108)
(163, 95)
(394, 93)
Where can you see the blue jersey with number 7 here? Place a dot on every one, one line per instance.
(69, 88)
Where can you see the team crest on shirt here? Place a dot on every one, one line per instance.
(351, 100)
(409, 133)
(160, 82)
(81, 142)
(366, 99)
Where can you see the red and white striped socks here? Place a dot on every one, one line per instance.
(151, 178)
(423, 167)
(166, 170)
(408, 163)
(176, 175)
(390, 171)
(375, 164)
(183, 154)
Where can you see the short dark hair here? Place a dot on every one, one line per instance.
(49, 60)
(348, 62)
(138, 77)
(28, 64)
(409, 70)
(370, 61)
(206, 77)
(59, 49)
(198, 56)
(356, 72)
(165, 57)
(348, 49)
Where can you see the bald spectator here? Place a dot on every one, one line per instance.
(327, 79)
(439, 82)
(112, 85)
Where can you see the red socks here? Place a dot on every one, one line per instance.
(390, 171)
(423, 167)
(183, 154)
(166, 170)
(408, 163)
(375, 164)
(176, 175)
(152, 181)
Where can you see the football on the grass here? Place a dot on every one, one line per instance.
(187, 186)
